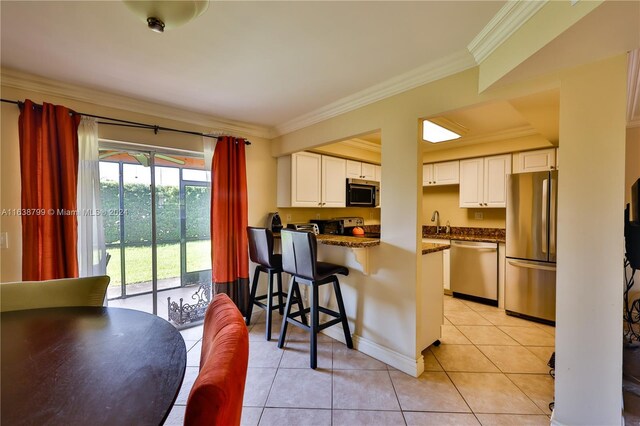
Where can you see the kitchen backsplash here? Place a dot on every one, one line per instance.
(371, 216)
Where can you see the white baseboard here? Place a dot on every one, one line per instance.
(413, 367)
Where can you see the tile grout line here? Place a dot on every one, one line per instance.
(499, 369)
(396, 394)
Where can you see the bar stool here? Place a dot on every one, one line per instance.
(299, 258)
(261, 253)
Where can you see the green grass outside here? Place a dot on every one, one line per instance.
(138, 261)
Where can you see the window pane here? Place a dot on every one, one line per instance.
(198, 175)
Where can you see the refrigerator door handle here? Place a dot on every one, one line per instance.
(552, 219)
(545, 209)
(532, 265)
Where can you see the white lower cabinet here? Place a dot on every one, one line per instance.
(446, 269)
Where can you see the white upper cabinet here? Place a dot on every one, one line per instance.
(378, 173)
(306, 179)
(334, 188)
(427, 175)
(534, 161)
(306, 186)
(446, 173)
(354, 169)
(358, 170)
(368, 171)
(483, 181)
(472, 182)
(496, 170)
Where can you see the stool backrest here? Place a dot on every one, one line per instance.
(299, 253)
(88, 291)
(260, 246)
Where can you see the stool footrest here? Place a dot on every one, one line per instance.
(328, 312)
(329, 323)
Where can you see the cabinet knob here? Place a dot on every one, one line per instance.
(480, 204)
(486, 204)
(551, 167)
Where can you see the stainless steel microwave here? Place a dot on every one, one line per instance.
(363, 193)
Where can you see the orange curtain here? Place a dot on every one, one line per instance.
(229, 247)
(49, 174)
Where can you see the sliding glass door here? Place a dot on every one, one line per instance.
(158, 243)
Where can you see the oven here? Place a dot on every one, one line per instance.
(362, 193)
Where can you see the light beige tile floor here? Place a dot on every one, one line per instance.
(489, 370)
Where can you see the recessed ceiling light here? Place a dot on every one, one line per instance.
(433, 133)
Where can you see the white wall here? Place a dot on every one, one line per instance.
(590, 250)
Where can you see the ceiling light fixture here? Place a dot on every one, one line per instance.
(160, 15)
(431, 132)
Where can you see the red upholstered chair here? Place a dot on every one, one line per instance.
(216, 396)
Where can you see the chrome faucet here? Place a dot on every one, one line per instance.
(435, 217)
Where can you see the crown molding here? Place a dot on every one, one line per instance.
(362, 144)
(507, 21)
(633, 89)
(23, 81)
(435, 70)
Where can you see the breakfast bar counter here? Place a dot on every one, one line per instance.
(348, 241)
(344, 240)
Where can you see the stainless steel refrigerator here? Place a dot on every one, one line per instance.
(530, 280)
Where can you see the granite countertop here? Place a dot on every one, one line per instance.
(483, 235)
(347, 241)
(433, 247)
(460, 237)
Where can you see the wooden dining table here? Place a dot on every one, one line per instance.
(88, 366)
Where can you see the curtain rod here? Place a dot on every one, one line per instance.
(127, 123)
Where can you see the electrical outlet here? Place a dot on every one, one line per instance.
(317, 215)
(479, 215)
(4, 240)
(288, 218)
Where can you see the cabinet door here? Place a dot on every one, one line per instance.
(496, 170)
(535, 161)
(446, 173)
(446, 269)
(472, 183)
(378, 177)
(306, 169)
(368, 171)
(334, 173)
(354, 169)
(427, 175)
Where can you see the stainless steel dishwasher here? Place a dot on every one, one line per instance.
(474, 270)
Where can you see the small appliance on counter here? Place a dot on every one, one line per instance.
(330, 226)
(353, 225)
(274, 223)
(309, 227)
